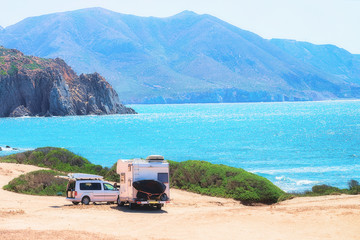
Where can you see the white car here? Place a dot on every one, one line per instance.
(86, 188)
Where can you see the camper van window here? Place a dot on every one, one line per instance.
(129, 167)
(122, 178)
(163, 177)
(90, 186)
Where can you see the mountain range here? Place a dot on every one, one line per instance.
(187, 58)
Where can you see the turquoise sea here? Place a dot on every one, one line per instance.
(294, 144)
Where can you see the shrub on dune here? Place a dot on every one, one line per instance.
(223, 181)
(41, 182)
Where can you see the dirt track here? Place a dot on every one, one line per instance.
(190, 216)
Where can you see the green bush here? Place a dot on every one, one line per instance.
(111, 174)
(353, 184)
(42, 182)
(354, 187)
(325, 189)
(321, 190)
(196, 176)
(13, 69)
(57, 159)
(61, 160)
(223, 181)
(32, 66)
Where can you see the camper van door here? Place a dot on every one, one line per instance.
(123, 185)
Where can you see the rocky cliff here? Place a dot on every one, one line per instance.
(32, 86)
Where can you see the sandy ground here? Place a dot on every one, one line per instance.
(189, 216)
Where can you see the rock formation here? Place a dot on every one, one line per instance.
(32, 86)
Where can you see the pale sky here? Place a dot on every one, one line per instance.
(317, 21)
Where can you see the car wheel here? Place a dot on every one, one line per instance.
(75, 203)
(132, 205)
(85, 200)
(158, 207)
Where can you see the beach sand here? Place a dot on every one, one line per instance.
(189, 216)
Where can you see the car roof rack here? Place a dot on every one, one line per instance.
(84, 176)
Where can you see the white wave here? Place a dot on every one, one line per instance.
(307, 170)
(10, 149)
(5, 149)
(295, 181)
(281, 178)
(306, 182)
(289, 184)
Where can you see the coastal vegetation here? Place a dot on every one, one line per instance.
(41, 182)
(223, 181)
(323, 190)
(60, 159)
(320, 190)
(195, 176)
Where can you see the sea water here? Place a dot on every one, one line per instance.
(294, 144)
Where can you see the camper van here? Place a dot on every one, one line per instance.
(144, 181)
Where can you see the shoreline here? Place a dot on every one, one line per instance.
(190, 216)
(269, 102)
(297, 192)
(298, 135)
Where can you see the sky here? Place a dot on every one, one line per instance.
(316, 21)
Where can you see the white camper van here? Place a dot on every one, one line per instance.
(144, 182)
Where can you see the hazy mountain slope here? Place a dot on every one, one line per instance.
(183, 58)
(328, 58)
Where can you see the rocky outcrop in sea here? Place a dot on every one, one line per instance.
(32, 86)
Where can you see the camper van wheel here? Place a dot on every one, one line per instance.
(158, 206)
(75, 203)
(120, 203)
(85, 200)
(132, 205)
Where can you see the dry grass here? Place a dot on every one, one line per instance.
(5, 172)
(11, 212)
(59, 235)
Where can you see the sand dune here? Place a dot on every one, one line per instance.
(189, 216)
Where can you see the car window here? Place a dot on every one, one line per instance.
(71, 186)
(108, 186)
(90, 186)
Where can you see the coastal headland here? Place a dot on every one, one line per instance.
(32, 86)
